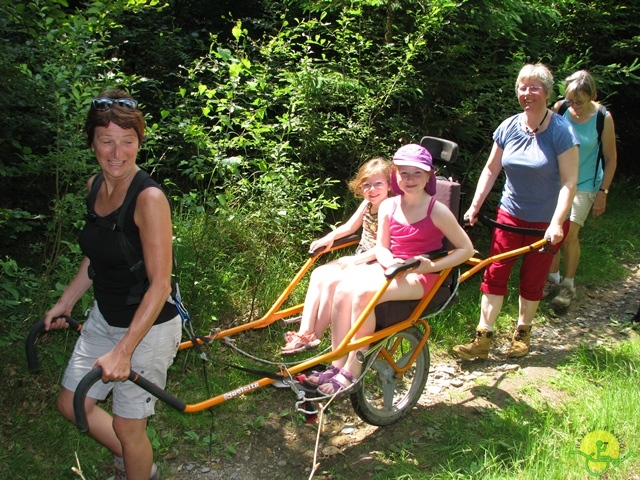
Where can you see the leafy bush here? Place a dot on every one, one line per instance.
(238, 252)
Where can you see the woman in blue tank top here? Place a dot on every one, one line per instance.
(598, 161)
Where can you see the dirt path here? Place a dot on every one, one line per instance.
(282, 448)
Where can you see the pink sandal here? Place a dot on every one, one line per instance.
(297, 343)
(334, 386)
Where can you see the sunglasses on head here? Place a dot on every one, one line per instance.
(102, 103)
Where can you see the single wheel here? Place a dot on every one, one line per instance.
(383, 398)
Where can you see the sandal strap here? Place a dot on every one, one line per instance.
(304, 338)
(347, 374)
(336, 385)
(323, 376)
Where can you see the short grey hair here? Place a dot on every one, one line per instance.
(536, 72)
(580, 82)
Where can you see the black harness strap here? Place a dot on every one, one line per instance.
(199, 340)
(532, 232)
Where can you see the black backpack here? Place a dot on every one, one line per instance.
(600, 114)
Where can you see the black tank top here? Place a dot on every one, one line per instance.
(113, 280)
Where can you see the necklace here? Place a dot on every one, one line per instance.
(530, 132)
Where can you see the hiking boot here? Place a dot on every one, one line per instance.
(479, 348)
(120, 475)
(550, 289)
(520, 342)
(563, 297)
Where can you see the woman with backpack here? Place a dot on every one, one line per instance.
(593, 126)
(133, 325)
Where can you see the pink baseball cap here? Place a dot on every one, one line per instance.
(414, 155)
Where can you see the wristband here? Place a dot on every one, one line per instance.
(605, 190)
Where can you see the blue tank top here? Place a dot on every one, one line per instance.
(587, 135)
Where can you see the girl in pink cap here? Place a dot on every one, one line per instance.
(410, 225)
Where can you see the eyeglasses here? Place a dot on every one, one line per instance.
(531, 88)
(102, 104)
(576, 103)
(375, 186)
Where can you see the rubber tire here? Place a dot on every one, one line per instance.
(368, 401)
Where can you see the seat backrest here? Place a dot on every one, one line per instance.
(440, 149)
(448, 193)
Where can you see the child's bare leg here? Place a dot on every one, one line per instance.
(325, 307)
(406, 288)
(316, 296)
(351, 297)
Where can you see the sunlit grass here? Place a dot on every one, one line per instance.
(527, 438)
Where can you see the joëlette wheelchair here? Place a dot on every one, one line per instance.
(396, 362)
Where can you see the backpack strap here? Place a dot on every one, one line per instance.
(601, 113)
(91, 201)
(563, 107)
(136, 264)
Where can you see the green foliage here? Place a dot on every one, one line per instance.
(239, 251)
(242, 123)
(17, 290)
(64, 64)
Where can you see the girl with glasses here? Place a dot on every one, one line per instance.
(372, 183)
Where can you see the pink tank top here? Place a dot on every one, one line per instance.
(407, 241)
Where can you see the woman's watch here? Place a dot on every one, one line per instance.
(605, 190)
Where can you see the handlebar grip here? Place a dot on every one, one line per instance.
(34, 333)
(156, 391)
(96, 374)
(78, 398)
(410, 263)
(396, 268)
(337, 243)
(532, 232)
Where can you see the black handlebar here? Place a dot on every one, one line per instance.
(96, 374)
(337, 243)
(34, 333)
(532, 232)
(410, 263)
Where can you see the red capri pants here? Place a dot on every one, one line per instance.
(535, 265)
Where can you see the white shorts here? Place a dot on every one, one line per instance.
(582, 203)
(151, 359)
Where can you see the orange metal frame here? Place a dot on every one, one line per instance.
(348, 344)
